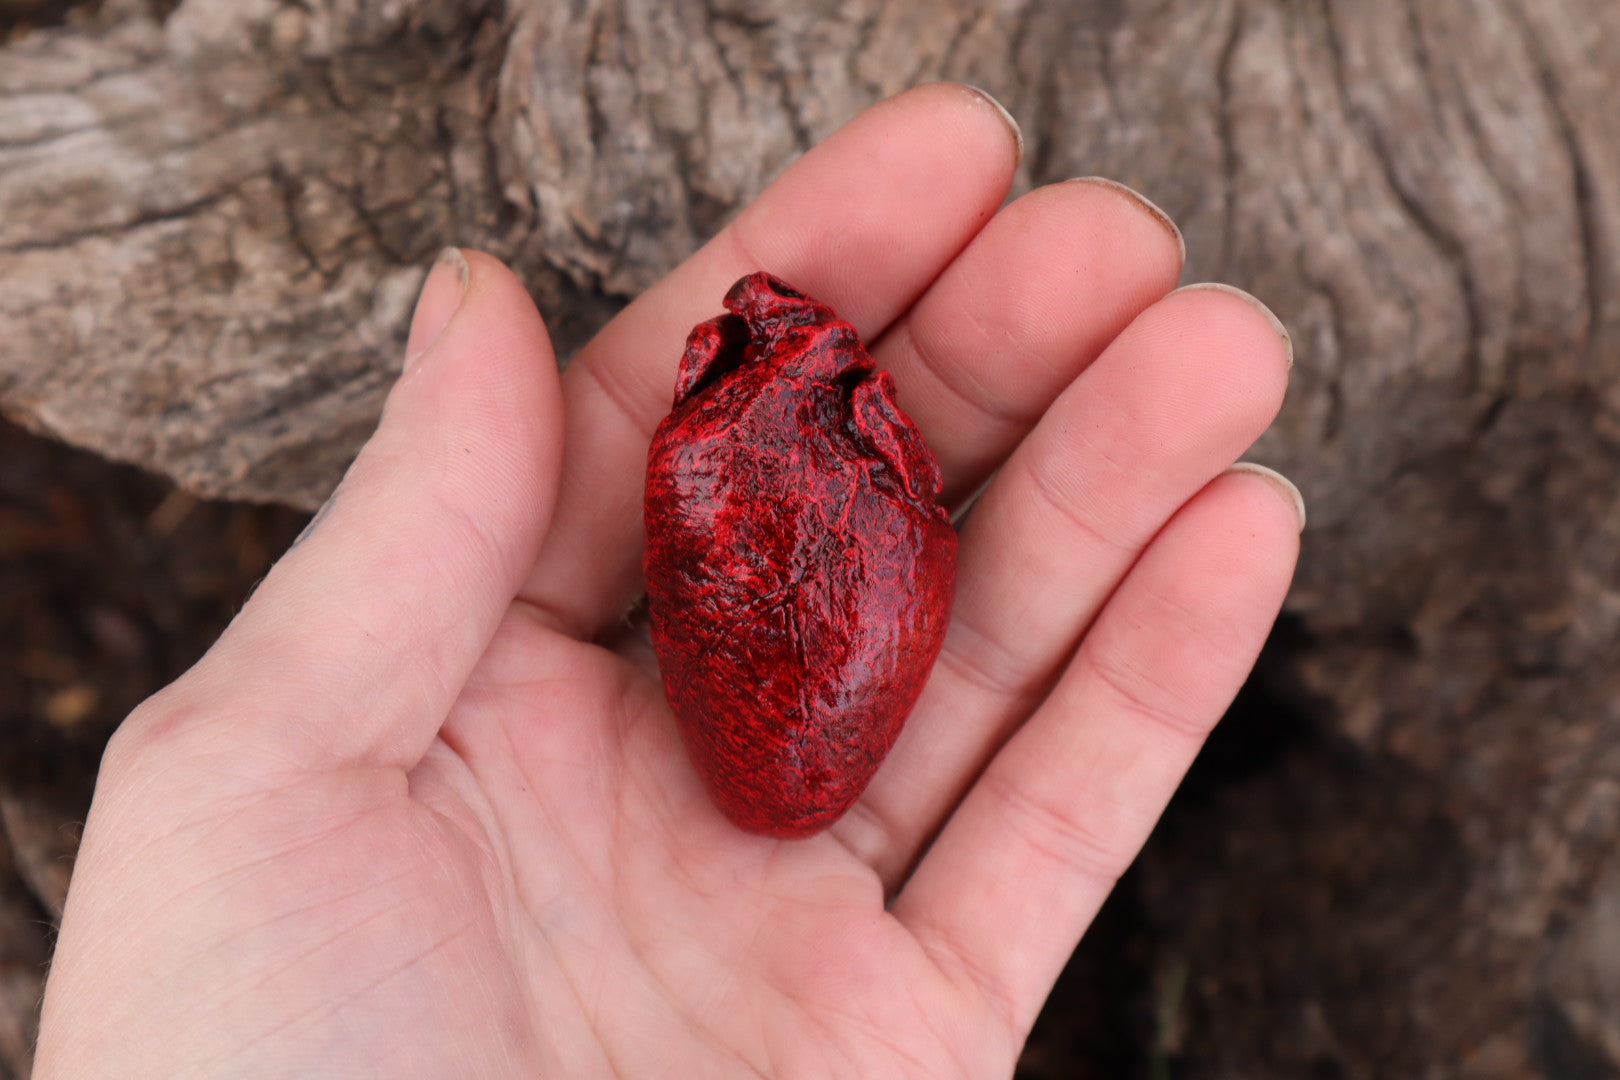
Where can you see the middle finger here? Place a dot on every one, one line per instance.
(1030, 303)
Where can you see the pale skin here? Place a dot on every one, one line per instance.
(422, 811)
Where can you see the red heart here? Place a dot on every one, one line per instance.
(799, 565)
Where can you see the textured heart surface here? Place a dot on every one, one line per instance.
(799, 565)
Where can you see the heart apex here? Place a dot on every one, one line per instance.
(781, 822)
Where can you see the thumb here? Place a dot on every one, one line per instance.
(357, 643)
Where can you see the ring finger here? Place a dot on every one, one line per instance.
(1171, 403)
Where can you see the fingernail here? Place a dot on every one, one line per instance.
(1247, 298)
(442, 293)
(1142, 201)
(1278, 481)
(1006, 118)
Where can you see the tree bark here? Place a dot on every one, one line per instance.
(213, 223)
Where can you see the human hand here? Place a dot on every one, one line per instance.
(422, 811)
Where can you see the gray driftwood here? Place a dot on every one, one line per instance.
(213, 224)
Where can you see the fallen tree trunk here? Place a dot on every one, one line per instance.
(213, 223)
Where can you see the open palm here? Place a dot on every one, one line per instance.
(424, 812)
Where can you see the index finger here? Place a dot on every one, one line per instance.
(864, 222)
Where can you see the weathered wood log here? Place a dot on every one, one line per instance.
(213, 223)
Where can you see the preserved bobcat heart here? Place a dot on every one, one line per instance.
(799, 565)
